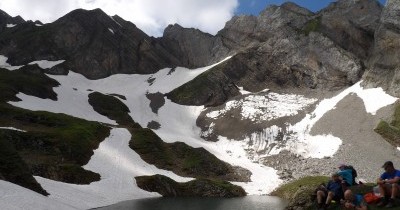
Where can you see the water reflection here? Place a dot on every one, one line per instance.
(245, 203)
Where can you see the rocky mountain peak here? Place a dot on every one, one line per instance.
(6, 21)
(296, 8)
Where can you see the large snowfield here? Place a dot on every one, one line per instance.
(118, 164)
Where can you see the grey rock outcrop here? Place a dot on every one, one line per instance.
(351, 24)
(193, 47)
(385, 63)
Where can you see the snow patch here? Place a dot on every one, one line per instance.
(243, 92)
(12, 128)
(45, 64)
(5, 65)
(111, 30)
(38, 25)
(10, 25)
(70, 102)
(115, 21)
(118, 165)
(16, 197)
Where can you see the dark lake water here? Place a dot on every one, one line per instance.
(245, 203)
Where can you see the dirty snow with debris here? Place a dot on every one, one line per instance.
(297, 138)
(266, 107)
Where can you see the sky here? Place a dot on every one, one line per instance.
(152, 16)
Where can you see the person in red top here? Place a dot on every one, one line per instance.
(388, 184)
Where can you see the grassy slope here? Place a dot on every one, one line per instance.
(55, 146)
(312, 26)
(199, 187)
(113, 108)
(181, 158)
(28, 80)
(391, 131)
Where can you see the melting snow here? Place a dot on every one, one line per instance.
(111, 30)
(45, 64)
(5, 65)
(266, 107)
(9, 25)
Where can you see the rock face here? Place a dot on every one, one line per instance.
(199, 187)
(385, 63)
(351, 24)
(285, 47)
(193, 47)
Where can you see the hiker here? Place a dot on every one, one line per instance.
(347, 176)
(352, 201)
(333, 191)
(388, 184)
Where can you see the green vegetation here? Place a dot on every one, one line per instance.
(55, 146)
(391, 132)
(28, 80)
(287, 191)
(181, 158)
(198, 187)
(54, 142)
(312, 26)
(14, 169)
(113, 108)
(203, 89)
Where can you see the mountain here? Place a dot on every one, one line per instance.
(93, 111)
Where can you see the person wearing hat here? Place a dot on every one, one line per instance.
(332, 191)
(346, 175)
(388, 184)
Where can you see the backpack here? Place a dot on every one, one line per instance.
(353, 173)
(371, 198)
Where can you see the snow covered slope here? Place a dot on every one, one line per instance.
(118, 164)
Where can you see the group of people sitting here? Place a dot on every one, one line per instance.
(338, 190)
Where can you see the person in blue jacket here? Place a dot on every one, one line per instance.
(388, 184)
(332, 191)
(346, 175)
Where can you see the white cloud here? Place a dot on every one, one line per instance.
(152, 16)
